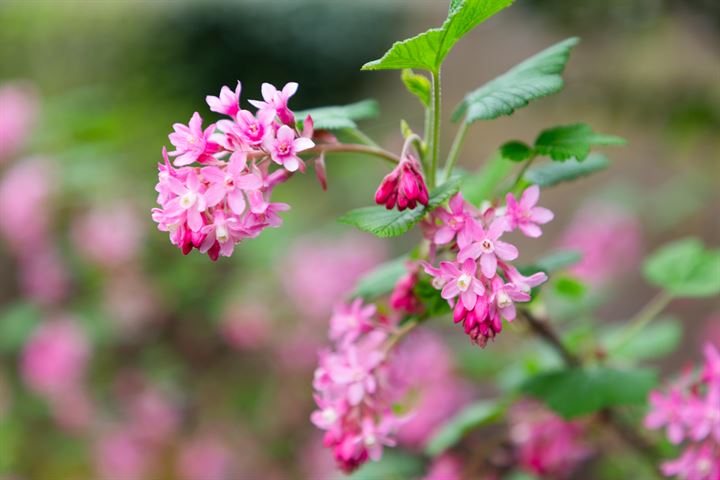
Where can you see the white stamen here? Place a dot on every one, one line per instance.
(463, 282)
(188, 200)
(503, 299)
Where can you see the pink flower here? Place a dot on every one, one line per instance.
(277, 101)
(488, 248)
(230, 183)
(711, 372)
(285, 147)
(403, 298)
(192, 144)
(667, 411)
(253, 130)
(96, 235)
(18, 113)
(525, 215)
(461, 281)
(348, 322)
(695, 463)
(522, 282)
(228, 103)
(404, 186)
(153, 416)
(503, 297)
(119, 454)
(55, 358)
(246, 326)
(205, 458)
(43, 276)
(445, 467)
(458, 222)
(189, 203)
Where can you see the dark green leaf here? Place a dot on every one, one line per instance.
(685, 269)
(381, 280)
(536, 77)
(341, 116)
(575, 392)
(418, 85)
(571, 141)
(428, 50)
(470, 418)
(516, 151)
(391, 223)
(657, 340)
(481, 185)
(554, 173)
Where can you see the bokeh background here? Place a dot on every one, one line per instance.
(121, 359)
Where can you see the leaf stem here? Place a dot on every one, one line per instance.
(641, 319)
(456, 147)
(434, 143)
(522, 171)
(360, 136)
(353, 148)
(400, 333)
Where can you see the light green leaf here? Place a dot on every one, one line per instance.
(574, 392)
(340, 116)
(570, 287)
(481, 185)
(554, 173)
(516, 151)
(685, 269)
(468, 419)
(428, 50)
(657, 340)
(418, 85)
(391, 223)
(536, 77)
(572, 141)
(381, 280)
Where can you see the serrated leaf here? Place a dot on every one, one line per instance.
(381, 280)
(534, 78)
(480, 186)
(574, 392)
(685, 269)
(418, 85)
(428, 50)
(471, 417)
(554, 173)
(339, 116)
(391, 223)
(516, 151)
(658, 339)
(572, 141)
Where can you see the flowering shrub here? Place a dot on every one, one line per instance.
(217, 190)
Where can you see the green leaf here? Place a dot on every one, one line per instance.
(554, 173)
(435, 305)
(381, 280)
(558, 260)
(391, 223)
(536, 77)
(516, 151)
(428, 50)
(657, 340)
(481, 186)
(574, 392)
(418, 85)
(685, 269)
(572, 141)
(17, 323)
(341, 116)
(570, 287)
(470, 418)
(392, 466)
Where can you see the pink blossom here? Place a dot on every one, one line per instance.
(403, 298)
(277, 101)
(96, 235)
(192, 143)
(246, 326)
(230, 183)
(349, 321)
(695, 463)
(285, 147)
(43, 276)
(488, 248)
(55, 358)
(18, 113)
(711, 372)
(153, 416)
(525, 215)
(228, 103)
(668, 411)
(462, 282)
(119, 454)
(522, 282)
(204, 458)
(404, 186)
(445, 467)
(503, 297)
(189, 203)
(457, 222)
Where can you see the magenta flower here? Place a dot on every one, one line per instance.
(667, 411)
(348, 322)
(703, 415)
(277, 101)
(228, 103)
(404, 186)
(457, 223)
(285, 147)
(525, 215)
(403, 298)
(230, 183)
(252, 130)
(522, 282)
(189, 203)
(192, 144)
(711, 372)
(488, 248)
(503, 298)
(696, 463)
(462, 282)
(445, 467)
(98, 239)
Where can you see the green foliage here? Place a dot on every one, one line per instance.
(392, 466)
(536, 77)
(340, 116)
(662, 338)
(516, 151)
(418, 85)
(685, 269)
(431, 298)
(17, 323)
(381, 280)
(552, 262)
(391, 223)
(554, 173)
(574, 392)
(571, 141)
(427, 50)
(481, 185)
(470, 418)
(570, 287)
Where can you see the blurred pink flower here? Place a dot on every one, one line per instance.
(152, 416)
(609, 238)
(130, 301)
(319, 271)
(108, 237)
(204, 458)
(445, 467)
(73, 410)
(43, 276)
(246, 326)
(55, 358)
(119, 455)
(18, 113)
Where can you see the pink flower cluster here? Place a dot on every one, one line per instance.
(547, 445)
(352, 388)
(226, 198)
(479, 282)
(690, 411)
(404, 186)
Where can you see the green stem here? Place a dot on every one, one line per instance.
(646, 315)
(360, 136)
(350, 148)
(455, 149)
(434, 143)
(522, 171)
(400, 333)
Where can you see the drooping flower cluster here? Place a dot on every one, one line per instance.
(404, 186)
(226, 198)
(479, 282)
(352, 388)
(690, 411)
